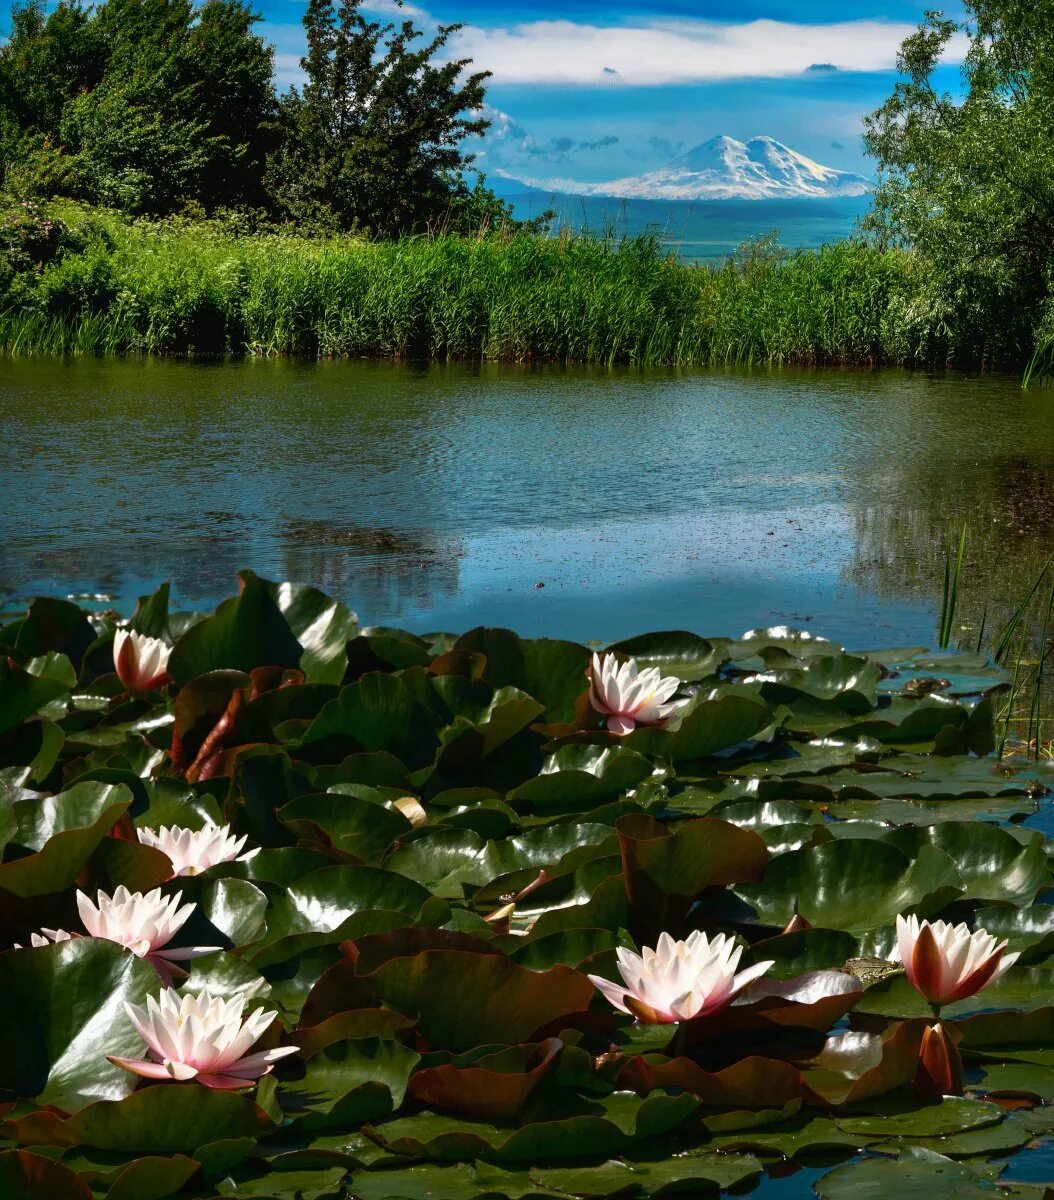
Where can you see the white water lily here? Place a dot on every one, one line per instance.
(201, 1037)
(629, 696)
(679, 981)
(46, 937)
(947, 962)
(192, 851)
(141, 662)
(144, 924)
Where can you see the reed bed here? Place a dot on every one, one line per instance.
(177, 288)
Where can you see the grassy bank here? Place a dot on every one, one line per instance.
(92, 283)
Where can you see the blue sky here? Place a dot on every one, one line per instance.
(594, 91)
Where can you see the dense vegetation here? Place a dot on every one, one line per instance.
(84, 282)
(453, 853)
(271, 223)
(968, 181)
(158, 106)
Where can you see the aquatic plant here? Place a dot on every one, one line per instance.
(431, 854)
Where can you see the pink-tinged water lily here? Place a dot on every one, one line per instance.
(47, 937)
(144, 924)
(201, 1037)
(629, 696)
(195, 850)
(947, 962)
(141, 662)
(679, 981)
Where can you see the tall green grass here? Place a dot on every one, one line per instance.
(174, 288)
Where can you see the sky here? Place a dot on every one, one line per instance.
(598, 91)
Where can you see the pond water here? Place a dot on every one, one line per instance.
(443, 496)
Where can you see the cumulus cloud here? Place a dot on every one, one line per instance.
(655, 53)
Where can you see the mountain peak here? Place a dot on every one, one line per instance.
(724, 168)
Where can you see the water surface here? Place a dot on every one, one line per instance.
(442, 497)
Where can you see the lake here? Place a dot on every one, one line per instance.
(703, 231)
(587, 504)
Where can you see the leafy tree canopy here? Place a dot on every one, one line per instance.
(154, 106)
(968, 179)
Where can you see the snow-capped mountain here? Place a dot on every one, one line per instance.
(726, 169)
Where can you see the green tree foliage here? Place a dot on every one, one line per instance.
(142, 105)
(374, 140)
(968, 180)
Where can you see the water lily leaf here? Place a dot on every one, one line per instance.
(376, 712)
(992, 864)
(349, 1082)
(716, 721)
(443, 861)
(853, 885)
(172, 1119)
(247, 631)
(495, 1087)
(606, 1127)
(226, 975)
(666, 870)
(553, 672)
(483, 720)
(323, 1183)
(1029, 931)
(321, 902)
(499, 1002)
(685, 655)
(28, 1176)
(951, 1115)
(349, 821)
(578, 776)
(916, 1174)
(840, 679)
(323, 628)
(152, 1178)
(64, 831)
(22, 693)
(62, 1013)
(151, 614)
(54, 625)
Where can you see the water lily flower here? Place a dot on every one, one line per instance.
(141, 662)
(679, 981)
(47, 937)
(946, 962)
(201, 1037)
(195, 850)
(940, 1070)
(629, 696)
(144, 924)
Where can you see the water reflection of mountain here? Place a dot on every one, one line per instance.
(380, 572)
(900, 549)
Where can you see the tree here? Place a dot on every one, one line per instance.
(968, 180)
(144, 105)
(375, 140)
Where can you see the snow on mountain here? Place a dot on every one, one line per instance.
(726, 169)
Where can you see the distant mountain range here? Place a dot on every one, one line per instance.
(719, 169)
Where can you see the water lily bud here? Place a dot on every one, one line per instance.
(201, 1037)
(141, 662)
(679, 981)
(940, 1071)
(797, 924)
(631, 697)
(945, 962)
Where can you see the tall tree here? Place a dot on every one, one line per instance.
(140, 104)
(968, 180)
(375, 140)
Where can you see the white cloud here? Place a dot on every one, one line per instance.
(565, 52)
